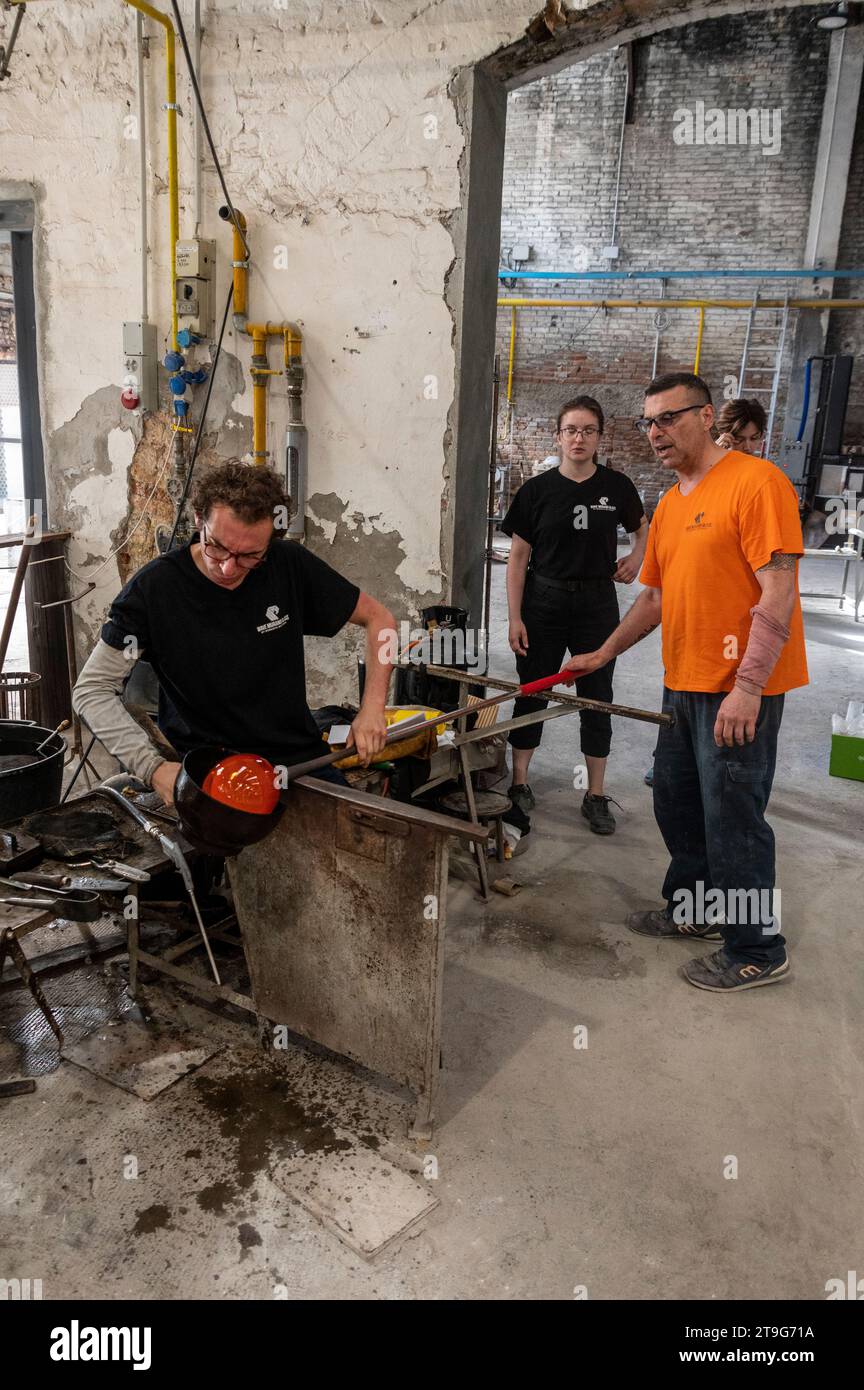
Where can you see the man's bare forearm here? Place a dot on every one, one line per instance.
(640, 620)
(379, 667)
(516, 572)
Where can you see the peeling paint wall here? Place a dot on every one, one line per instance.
(341, 141)
(341, 145)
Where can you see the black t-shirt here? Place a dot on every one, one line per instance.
(230, 662)
(572, 528)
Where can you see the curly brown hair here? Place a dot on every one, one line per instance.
(253, 493)
(735, 414)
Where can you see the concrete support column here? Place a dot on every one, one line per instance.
(830, 180)
(472, 293)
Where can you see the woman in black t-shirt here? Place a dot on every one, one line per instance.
(561, 590)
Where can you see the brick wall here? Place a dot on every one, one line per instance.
(682, 206)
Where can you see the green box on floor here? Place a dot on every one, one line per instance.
(847, 757)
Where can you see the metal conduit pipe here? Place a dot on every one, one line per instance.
(142, 161)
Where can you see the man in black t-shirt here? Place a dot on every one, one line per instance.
(222, 622)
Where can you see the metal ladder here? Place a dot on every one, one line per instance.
(762, 358)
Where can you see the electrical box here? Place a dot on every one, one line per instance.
(140, 363)
(196, 267)
(610, 253)
(521, 252)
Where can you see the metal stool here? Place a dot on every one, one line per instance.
(488, 807)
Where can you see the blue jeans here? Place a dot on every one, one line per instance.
(710, 803)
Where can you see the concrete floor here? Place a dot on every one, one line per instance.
(559, 1169)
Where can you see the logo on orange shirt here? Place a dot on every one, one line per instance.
(698, 523)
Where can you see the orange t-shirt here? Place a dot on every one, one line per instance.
(702, 552)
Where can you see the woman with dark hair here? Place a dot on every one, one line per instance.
(561, 590)
(741, 425)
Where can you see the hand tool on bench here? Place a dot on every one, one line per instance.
(129, 872)
(74, 904)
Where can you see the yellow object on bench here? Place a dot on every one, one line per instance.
(422, 744)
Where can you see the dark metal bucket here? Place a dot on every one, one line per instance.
(35, 784)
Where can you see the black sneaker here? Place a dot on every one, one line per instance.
(717, 973)
(596, 811)
(662, 927)
(522, 796)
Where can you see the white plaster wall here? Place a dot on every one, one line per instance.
(320, 113)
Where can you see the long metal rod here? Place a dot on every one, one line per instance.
(454, 674)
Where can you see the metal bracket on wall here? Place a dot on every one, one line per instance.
(6, 53)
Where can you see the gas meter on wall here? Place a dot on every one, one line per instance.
(196, 266)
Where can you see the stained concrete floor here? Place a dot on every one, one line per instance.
(597, 1169)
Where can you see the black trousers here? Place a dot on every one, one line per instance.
(558, 623)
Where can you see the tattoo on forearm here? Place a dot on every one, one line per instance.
(646, 631)
(779, 561)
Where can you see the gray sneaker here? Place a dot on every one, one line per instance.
(722, 976)
(660, 925)
(522, 796)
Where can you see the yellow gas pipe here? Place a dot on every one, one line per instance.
(513, 303)
(699, 339)
(293, 358)
(171, 108)
(290, 334)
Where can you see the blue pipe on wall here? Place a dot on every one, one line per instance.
(808, 368)
(680, 274)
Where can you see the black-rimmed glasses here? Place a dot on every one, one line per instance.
(220, 554)
(664, 420)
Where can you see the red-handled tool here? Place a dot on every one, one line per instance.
(403, 731)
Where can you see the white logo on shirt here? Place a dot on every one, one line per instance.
(273, 620)
(602, 505)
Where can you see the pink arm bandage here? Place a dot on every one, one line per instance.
(767, 640)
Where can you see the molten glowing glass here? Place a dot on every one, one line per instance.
(244, 782)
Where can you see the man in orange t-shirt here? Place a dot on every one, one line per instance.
(720, 571)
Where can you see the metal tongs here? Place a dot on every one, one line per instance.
(74, 904)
